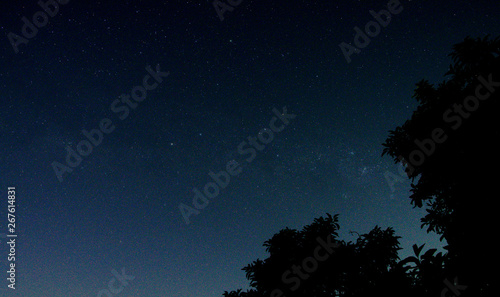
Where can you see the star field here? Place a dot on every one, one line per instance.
(119, 207)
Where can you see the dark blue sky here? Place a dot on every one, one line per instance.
(119, 207)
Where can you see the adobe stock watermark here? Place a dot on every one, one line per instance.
(372, 29)
(454, 287)
(113, 287)
(309, 265)
(122, 108)
(221, 7)
(453, 117)
(40, 19)
(222, 178)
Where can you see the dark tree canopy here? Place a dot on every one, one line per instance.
(350, 269)
(368, 267)
(457, 175)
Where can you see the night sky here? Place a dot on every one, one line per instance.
(152, 102)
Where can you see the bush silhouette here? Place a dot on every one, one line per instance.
(365, 267)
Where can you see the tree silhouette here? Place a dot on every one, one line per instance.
(367, 267)
(454, 128)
